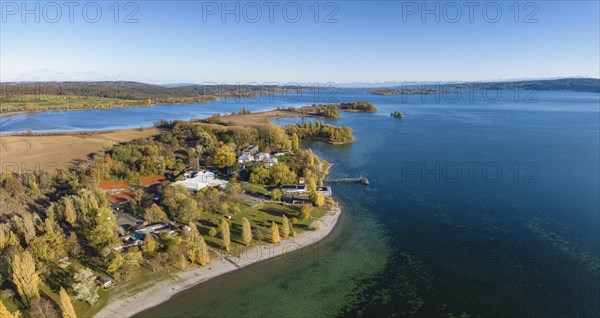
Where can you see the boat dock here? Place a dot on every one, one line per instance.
(361, 180)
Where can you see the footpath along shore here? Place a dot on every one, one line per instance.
(129, 305)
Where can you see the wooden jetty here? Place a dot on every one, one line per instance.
(361, 180)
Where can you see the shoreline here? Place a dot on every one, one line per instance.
(164, 290)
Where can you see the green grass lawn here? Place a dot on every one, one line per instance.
(255, 189)
(259, 215)
(54, 102)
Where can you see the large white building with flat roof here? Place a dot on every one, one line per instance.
(201, 180)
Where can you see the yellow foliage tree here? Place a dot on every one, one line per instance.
(65, 305)
(285, 227)
(225, 235)
(305, 211)
(317, 199)
(70, 215)
(295, 142)
(4, 313)
(24, 277)
(150, 245)
(246, 231)
(204, 257)
(275, 238)
(155, 214)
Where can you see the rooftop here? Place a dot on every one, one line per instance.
(150, 180)
(121, 197)
(113, 185)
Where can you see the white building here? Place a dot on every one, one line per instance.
(201, 180)
(245, 158)
(269, 162)
(261, 156)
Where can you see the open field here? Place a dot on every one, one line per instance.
(50, 151)
(36, 103)
(258, 118)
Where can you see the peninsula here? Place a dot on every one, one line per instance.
(174, 206)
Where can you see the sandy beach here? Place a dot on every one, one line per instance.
(129, 305)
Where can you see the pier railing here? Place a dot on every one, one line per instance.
(361, 180)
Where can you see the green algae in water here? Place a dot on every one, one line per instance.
(318, 285)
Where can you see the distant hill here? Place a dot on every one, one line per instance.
(51, 96)
(563, 84)
(136, 90)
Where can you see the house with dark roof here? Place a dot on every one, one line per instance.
(250, 150)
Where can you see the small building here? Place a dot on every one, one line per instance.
(269, 162)
(113, 186)
(261, 156)
(104, 282)
(291, 189)
(250, 150)
(326, 191)
(245, 158)
(278, 152)
(151, 180)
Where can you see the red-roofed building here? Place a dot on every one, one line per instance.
(121, 197)
(148, 181)
(113, 186)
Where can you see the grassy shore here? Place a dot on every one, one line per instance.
(129, 304)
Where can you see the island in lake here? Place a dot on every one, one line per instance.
(397, 114)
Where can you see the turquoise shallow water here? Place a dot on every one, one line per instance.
(478, 207)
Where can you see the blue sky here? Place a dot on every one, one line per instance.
(364, 41)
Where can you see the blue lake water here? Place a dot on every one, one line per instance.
(477, 207)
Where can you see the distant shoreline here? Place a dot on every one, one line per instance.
(161, 292)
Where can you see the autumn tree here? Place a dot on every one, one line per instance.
(51, 245)
(275, 238)
(295, 142)
(305, 211)
(225, 234)
(180, 203)
(102, 235)
(85, 286)
(66, 306)
(260, 175)
(150, 245)
(282, 174)
(155, 214)
(276, 194)
(285, 226)
(224, 156)
(317, 198)
(131, 261)
(204, 257)
(246, 231)
(310, 157)
(25, 227)
(4, 313)
(69, 213)
(25, 277)
(192, 242)
(115, 263)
